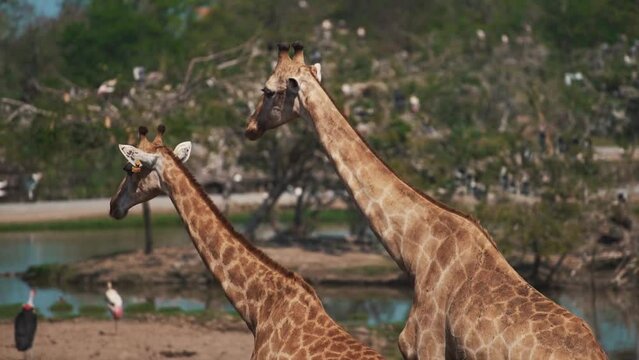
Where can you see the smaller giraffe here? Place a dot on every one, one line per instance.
(282, 311)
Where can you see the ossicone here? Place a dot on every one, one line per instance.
(283, 47)
(158, 136)
(298, 55)
(282, 54)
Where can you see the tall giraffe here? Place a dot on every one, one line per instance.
(469, 303)
(282, 311)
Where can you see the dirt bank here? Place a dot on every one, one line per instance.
(157, 337)
(172, 337)
(182, 265)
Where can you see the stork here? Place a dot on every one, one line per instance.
(3, 186)
(26, 323)
(114, 303)
(31, 183)
(107, 87)
(139, 73)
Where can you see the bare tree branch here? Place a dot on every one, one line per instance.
(46, 89)
(211, 57)
(24, 108)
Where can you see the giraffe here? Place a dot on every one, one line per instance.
(282, 311)
(468, 303)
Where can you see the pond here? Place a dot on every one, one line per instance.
(613, 315)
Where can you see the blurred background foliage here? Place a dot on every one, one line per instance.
(490, 76)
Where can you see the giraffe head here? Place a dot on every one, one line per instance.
(144, 171)
(281, 101)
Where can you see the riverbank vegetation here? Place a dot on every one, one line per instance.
(285, 217)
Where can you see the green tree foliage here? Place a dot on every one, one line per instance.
(542, 229)
(572, 24)
(116, 35)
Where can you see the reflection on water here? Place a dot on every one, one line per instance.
(613, 315)
(369, 306)
(23, 249)
(13, 291)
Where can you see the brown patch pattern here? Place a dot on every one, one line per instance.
(280, 308)
(469, 303)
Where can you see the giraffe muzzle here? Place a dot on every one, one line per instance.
(116, 213)
(253, 130)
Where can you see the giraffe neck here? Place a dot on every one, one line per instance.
(384, 198)
(243, 271)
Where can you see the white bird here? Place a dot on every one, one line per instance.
(114, 303)
(31, 183)
(481, 34)
(139, 73)
(327, 25)
(154, 78)
(347, 89)
(107, 87)
(414, 103)
(628, 60)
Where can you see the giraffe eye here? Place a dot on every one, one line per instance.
(268, 92)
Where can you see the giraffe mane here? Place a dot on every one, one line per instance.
(250, 247)
(427, 197)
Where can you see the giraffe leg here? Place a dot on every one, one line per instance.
(424, 336)
(407, 340)
(432, 345)
(408, 337)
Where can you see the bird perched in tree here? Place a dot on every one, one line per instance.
(139, 74)
(107, 87)
(31, 183)
(26, 323)
(114, 303)
(3, 185)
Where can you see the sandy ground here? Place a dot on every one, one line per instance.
(177, 338)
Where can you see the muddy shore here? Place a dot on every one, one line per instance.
(182, 265)
(155, 337)
(171, 337)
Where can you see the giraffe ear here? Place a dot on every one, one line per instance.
(292, 85)
(183, 151)
(316, 70)
(133, 154)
